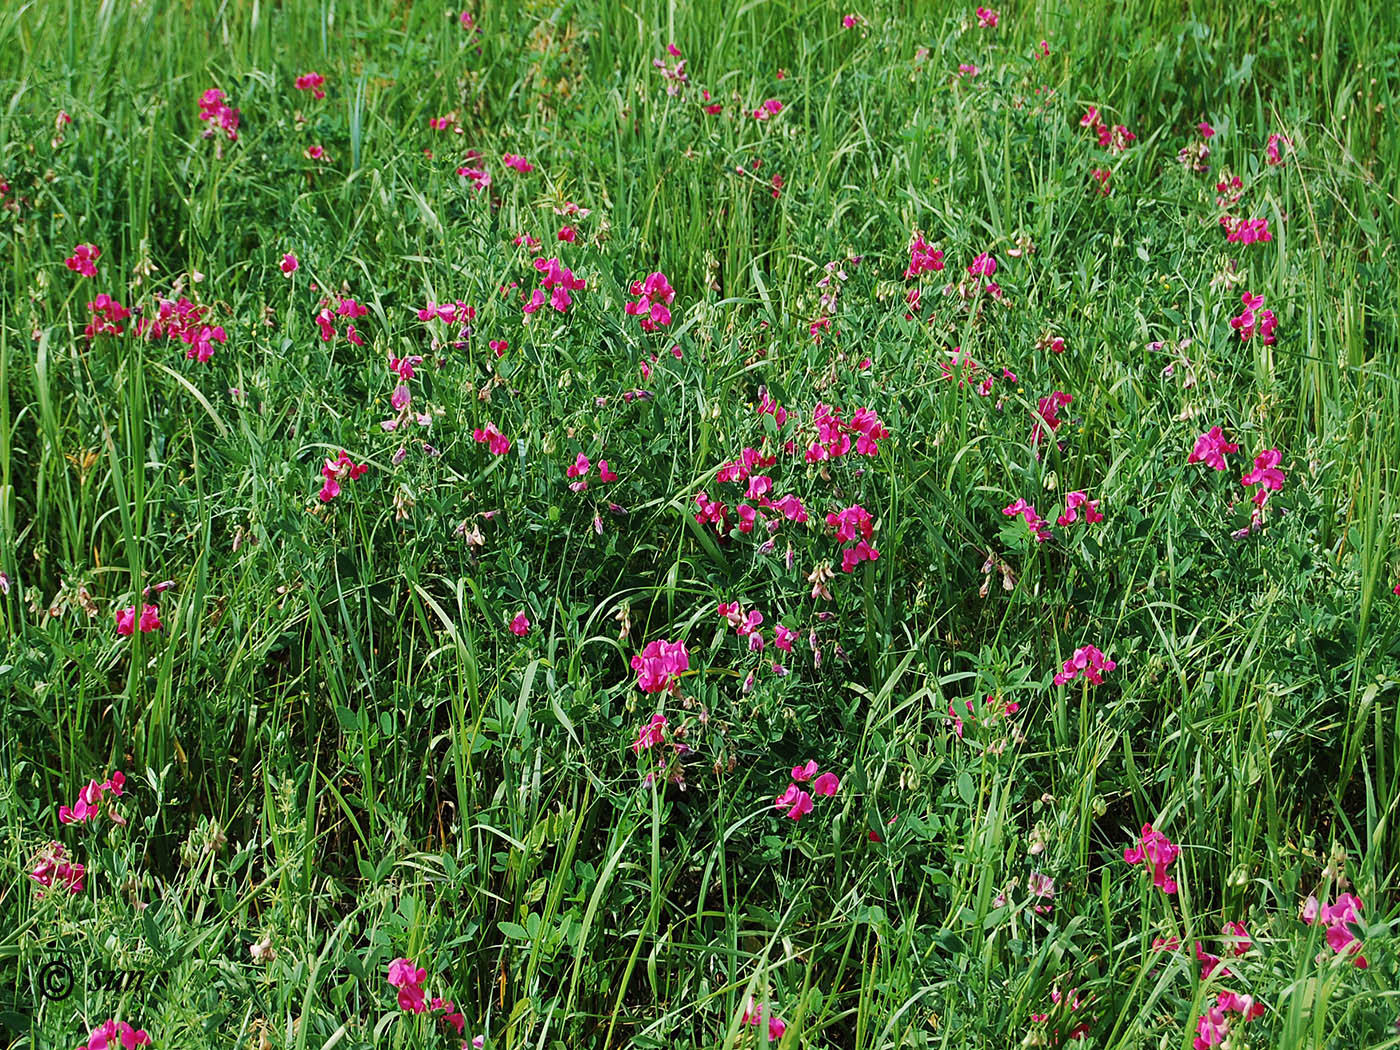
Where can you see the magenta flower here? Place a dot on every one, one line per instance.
(795, 801)
(313, 82)
(1274, 151)
(1047, 415)
(1205, 129)
(289, 264)
(337, 470)
(213, 111)
(1265, 474)
(605, 473)
(89, 803)
(1245, 231)
(987, 18)
(753, 1014)
(1156, 849)
(480, 178)
(1038, 526)
(1211, 449)
(1086, 661)
(128, 620)
(651, 734)
(516, 161)
(1042, 887)
(84, 260)
(805, 772)
(982, 266)
(1247, 322)
(1075, 500)
(109, 1033)
(652, 306)
(107, 315)
(1338, 917)
(520, 625)
(409, 982)
(497, 442)
(827, 784)
(579, 470)
(922, 259)
(52, 868)
(659, 665)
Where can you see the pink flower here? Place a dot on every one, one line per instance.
(827, 784)
(579, 469)
(922, 259)
(520, 625)
(795, 801)
(1338, 917)
(847, 523)
(289, 263)
(1273, 152)
(805, 772)
(337, 470)
(127, 620)
(497, 442)
(1245, 231)
(311, 82)
(659, 664)
(987, 18)
(500, 346)
(1247, 322)
(1086, 661)
(1156, 849)
(1043, 887)
(516, 161)
(655, 296)
(84, 260)
(1034, 521)
(213, 111)
(109, 1033)
(409, 982)
(651, 734)
(480, 178)
(52, 868)
(1211, 449)
(1073, 501)
(567, 234)
(107, 315)
(604, 473)
(753, 1014)
(783, 639)
(982, 266)
(1205, 129)
(316, 153)
(1265, 474)
(1047, 410)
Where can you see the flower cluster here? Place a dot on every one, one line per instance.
(659, 665)
(675, 76)
(110, 1033)
(558, 281)
(1245, 231)
(83, 261)
(1248, 321)
(795, 800)
(1047, 415)
(1087, 661)
(492, 438)
(337, 470)
(770, 107)
(652, 306)
(212, 111)
(51, 867)
(1075, 500)
(1038, 525)
(1115, 139)
(107, 315)
(184, 321)
(326, 321)
(1156, 849)
(849, 523)
(1213, 1026)
(1338, 917)
(516, 162)
(753, 1013)
(987, 18)
(313, 82)
(127, 621)
(1211, 449)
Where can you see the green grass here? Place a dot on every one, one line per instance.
(336, 743)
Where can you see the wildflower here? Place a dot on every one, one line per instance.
(922, 258)
(605, 474)
(84, 260)
(1247, 322)
(289, 264)
(753, 1015)
(1205, 129)
(851, 21)
(1245, 231)
(517, 162)
(651, 734)
(213, 111)
(51, 867)
(1054, 343)
(983, 265)
(480, 178)
(317, 153)
(1073, 501)
(1042, 887)
(1265, 474)
(559, 281)
(850, 521)
(1275, 149)
(1211, 449)
(409, 982)
(1087, 661)
(128, 621)
(1155, 848)
(579, 469)
(1338, 917)
(675, 76)
(782, 639)
(1043, 51)
(826, 784)
(659, 664)
(109, 1033)
(796, 802)
(655, 296)
(1047, 409)
(770, 107)
(337, 470)
(500, 346)
(520, 625)
(1034, 521)
(494, 440)
(183, 320)
(313, 82)
(1101, 177)
(107, 314)
(987, 18)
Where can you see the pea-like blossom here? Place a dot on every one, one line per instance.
(183, 320)
(110, 1033)
(558, 281)
(984, 265)
(84, 260)
(313, 82)
(651, 734)
(1211, 449)
(492, 437)
(1253, 318)
(753, 1015)
(1265, 474)
(520, 625)
(89, 802)
(1039, 527)
(1245, 231)
(659, 665)
(652, 307)
(107, 316)
(1338, 917)
(213, 111)
(1087, 661)
(289, 264)
(987, 18)
(1047, 414)
(1156, 849)
(128, 620)
(409, 982)
(1075, 500)
(517, 162)
(335, 471)
(51, 867)
(922, 258)
(1275, 150)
